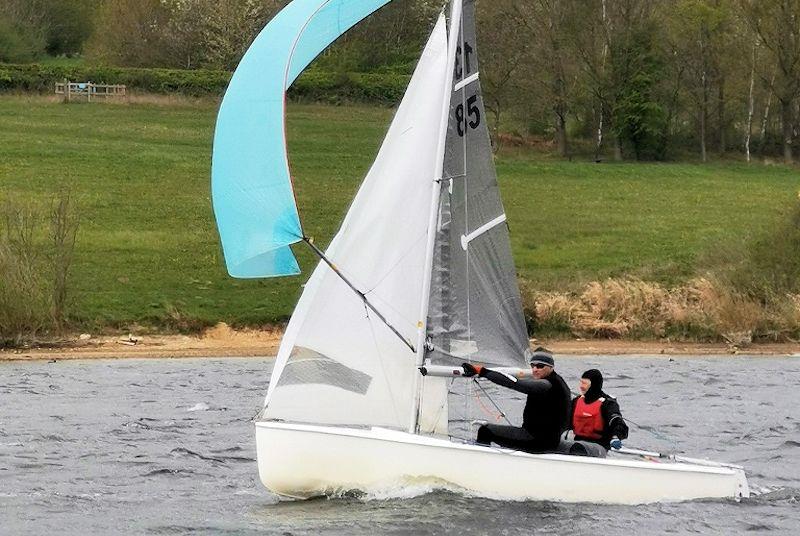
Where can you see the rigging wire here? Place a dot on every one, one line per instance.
(361, 295)
(489, 413)
(400, 259)
(652, 431)
(502, 413)
(388, 305)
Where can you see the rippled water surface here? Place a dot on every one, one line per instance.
(167, 447)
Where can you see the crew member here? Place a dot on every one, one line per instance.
(546, 413)
(595, 416)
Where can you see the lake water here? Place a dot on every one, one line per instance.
(167, 447)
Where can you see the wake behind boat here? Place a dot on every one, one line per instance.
(420, 277)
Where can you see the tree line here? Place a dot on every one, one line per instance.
(648, 79)
(638, 79)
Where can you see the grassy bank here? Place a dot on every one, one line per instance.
(147, 250)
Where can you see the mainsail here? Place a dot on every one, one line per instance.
(475, 311)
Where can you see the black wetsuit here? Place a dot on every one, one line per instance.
(544, 419)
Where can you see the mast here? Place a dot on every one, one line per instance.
(422, 325)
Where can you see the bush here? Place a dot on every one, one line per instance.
(42, 78)
(35, 259)
(321, 86)
(313, 85)
(64, 221)
(751, 292)
(24, 305)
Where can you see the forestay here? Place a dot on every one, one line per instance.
(252, 192)
(338, 363)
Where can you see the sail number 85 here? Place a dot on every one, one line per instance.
(473, 118)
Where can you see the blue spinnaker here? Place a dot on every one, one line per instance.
(252, 192)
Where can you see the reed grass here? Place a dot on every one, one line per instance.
(702, 309)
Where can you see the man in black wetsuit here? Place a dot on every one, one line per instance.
(546, 413)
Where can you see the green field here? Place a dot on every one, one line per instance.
(148, 252)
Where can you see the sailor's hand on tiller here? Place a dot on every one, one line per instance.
(616, 443)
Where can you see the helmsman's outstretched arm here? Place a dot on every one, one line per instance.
(529, 386)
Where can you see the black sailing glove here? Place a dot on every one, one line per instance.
(471, 370)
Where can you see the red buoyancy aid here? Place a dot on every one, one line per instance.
(587, 421)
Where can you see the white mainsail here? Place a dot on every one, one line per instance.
(338, 363)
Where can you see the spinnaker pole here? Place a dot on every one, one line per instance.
(438, 172)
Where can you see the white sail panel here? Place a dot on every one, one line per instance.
(338, 363)
(433, 408)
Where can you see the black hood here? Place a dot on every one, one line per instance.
(596, 389)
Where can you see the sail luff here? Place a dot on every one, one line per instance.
(438, 171)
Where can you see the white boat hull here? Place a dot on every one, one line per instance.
(303, 461)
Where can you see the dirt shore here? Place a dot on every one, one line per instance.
(222, 341)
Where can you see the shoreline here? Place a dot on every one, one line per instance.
(221, 341)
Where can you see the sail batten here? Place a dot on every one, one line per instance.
(467, 81)
(466, 239)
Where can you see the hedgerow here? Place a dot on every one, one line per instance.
(313, 85)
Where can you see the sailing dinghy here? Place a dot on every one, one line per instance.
(419, 277)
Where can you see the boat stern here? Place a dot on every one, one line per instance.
(742, 487)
